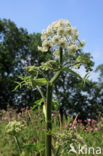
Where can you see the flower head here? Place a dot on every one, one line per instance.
(89, 120)
(34, 139)
(70, 124)
(52, 114)
(61, 34)
(14, 127)
(65, 126)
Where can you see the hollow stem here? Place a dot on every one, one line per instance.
(48, 121)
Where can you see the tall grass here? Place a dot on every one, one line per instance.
(31, 139)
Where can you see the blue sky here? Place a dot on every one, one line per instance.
(35, 15)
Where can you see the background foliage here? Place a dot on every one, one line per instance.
(18, 49)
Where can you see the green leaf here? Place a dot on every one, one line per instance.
(15, 88)
(34, 107)
(85, 78)
(41, 82)
(37, 103)
(31, 147)
(20, 77)
(72, 72)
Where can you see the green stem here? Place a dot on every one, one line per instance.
(61, 56)
(17, 142)
(41, 93)
(48, 108)
(48, 121)
(55, 77)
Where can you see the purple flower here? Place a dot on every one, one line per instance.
(96, 129)
(7, 118)
(65, 126)
(88, 123)
(74, 127)
(34, 139)
(79, 120)
(22, 109)
(89, 120)
(93, 121)
(40, 112)
(70, 124)
(86, 130)
(58, 140)
(91, 129)
(52, 114)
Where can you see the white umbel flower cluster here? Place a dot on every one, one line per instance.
(14, 127)
(60, 34)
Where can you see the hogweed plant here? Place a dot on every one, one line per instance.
(13, 128)
(61, 41)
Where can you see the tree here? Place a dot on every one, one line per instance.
(12, 43)
(68, 87)
(17, 49)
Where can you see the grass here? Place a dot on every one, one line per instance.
(31, 138)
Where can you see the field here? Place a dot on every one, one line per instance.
(24, 134)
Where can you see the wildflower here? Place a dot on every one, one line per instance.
(93, 121)
(62, 43)
(60, 34)
(22, 109)
(46, 44)
(91, 129)
(56, 39)
(49, 30)
(56, 53)
(3, 111)
(34, 139)
(96, 129)
(86, 130)
(88, 123)
(89, 120)
(14, 127)
(70, 124)
(74, 127)
(40, 112)
(83, 43)
(6, 118)
(79, 120)
(52, 114)
(60, 31)
(68, 30)
(58, 140)
(65, 126)
(72, 49)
